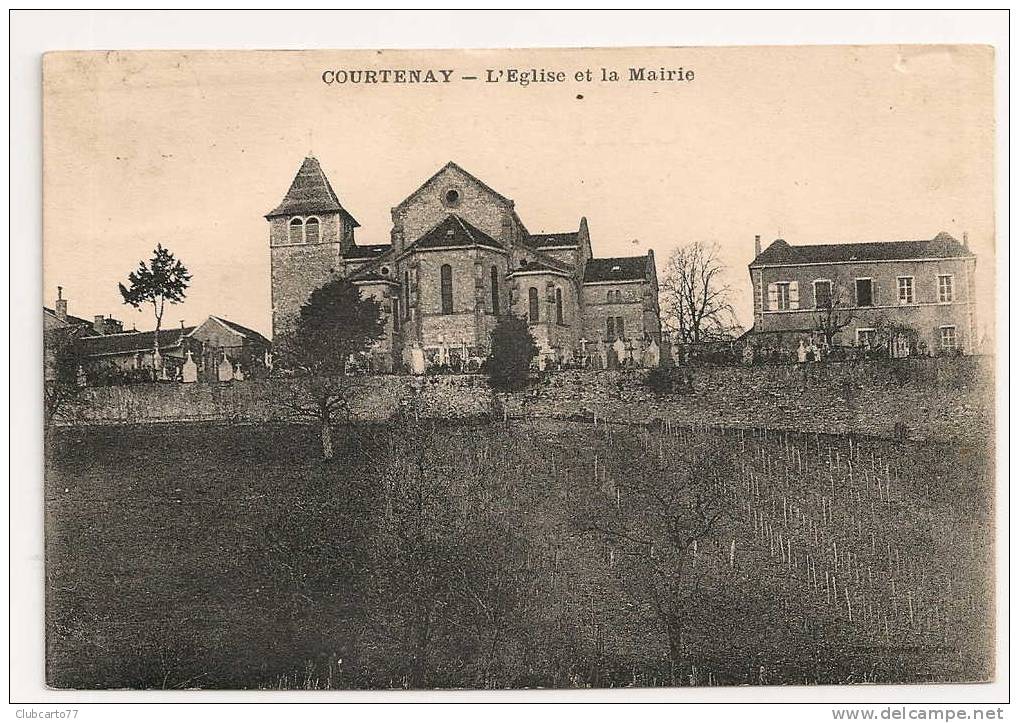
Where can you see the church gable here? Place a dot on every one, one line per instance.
(452, 190)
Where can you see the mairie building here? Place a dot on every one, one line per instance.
(459, 255)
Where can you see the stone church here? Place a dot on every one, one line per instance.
(459, 255)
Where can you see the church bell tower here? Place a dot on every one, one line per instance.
(309, 231)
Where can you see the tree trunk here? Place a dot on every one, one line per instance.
(419, 667)
(327, 439)
(676, 653)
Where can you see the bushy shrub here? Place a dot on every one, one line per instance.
(513, 348)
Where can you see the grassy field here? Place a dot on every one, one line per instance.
(544, 554)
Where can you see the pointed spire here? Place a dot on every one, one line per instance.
(310, 192)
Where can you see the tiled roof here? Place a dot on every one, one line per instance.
(367, 251)
(74, 320)
(467, 173)
(549, 240)
(537, 267)
(373, 276)
(310, 192)
(133, 341)
(455, 231)
(616, 268)
(242, 330)
(782, 253)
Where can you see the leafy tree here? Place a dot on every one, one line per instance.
(694, 298)
(513, 348)
(334, 324)
(163, 279)
(62, 385)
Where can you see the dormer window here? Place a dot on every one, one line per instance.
(296, 231)
(311, 234)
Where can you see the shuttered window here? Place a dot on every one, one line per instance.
(864, 292)
(610, 329)
(783, 296)
(822, 294)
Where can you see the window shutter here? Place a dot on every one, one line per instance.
(794, 294)
(772, 297)
(610, 327)
(873, 293)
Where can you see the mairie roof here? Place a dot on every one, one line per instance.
(782, 253)
(310, 193)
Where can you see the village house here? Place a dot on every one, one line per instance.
(904, 297)
(216, 350)
(459, 256)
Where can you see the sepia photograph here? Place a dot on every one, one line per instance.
(519, 369)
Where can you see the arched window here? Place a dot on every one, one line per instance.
(311, 231)
(532, 305)
(558, 305)
(406, 294)
(446, 278)
(297, 231)
(495, 290)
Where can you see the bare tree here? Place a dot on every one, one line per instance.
(447, 573)
(833, 310)
(694, 297)
(672, 505)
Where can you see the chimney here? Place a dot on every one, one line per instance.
(965, 240)
(98, 325)
(61, 305)
(757, 245)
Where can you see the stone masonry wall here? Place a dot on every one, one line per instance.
(937, 399)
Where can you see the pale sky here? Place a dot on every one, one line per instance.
(816, 144)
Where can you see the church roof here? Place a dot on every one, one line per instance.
(616, 268)
(537, 267)
(366, 251)
(462, 170)
(311, 192)
(454, 231)
(551, 240)
(941, 246)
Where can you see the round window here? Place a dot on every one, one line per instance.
(452, 197)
